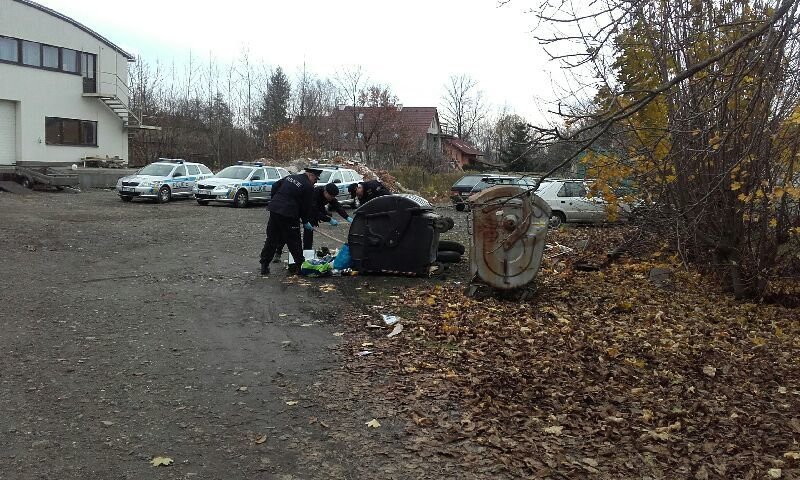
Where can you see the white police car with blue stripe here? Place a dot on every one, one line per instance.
(239, 184)
(163, 180)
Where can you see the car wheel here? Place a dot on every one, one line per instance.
(164, 194)
(460, 207)
(557, 219)
(446, 256)
(445, 245)
(240, 200)
(126, 198)
(202, 202)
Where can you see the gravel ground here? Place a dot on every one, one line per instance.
(136, 330)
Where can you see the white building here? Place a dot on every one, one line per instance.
(63, 89)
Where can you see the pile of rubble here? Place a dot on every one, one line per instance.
(383, 176)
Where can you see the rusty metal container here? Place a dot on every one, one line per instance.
(509, 226)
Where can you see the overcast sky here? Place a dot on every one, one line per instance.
(412, 45)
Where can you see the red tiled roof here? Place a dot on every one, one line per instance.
(463, 146)
(418, 119)
(413, 120)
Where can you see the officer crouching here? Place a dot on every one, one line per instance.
(292, 202)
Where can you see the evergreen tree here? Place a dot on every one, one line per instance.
(273, 111)
(515, 156)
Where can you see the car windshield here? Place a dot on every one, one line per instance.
(235, 173)
(467, 181)
(326, 176)
(156, 170)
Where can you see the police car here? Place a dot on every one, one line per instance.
(163, 180)
(239, 184)
(342, 177)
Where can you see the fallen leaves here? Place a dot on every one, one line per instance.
(374, 423)
(292, 403)
(603, 366)
(554, 430)
(260, 440)
(161, 461)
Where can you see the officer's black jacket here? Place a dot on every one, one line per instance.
(320, 202)
(292, 197)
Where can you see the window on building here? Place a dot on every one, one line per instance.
(9, 49)
(69, 60)
(69, 131)
(88, 65)
(49, 56)
(31, 54)
(88, 133)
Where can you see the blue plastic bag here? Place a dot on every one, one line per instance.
(342, 259)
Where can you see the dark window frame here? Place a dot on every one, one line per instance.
(82, 132)
(40, 66)
(16, 49)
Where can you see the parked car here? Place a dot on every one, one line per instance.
(569, 202)
(239, 184)
(342, 177)
(163, 180)
(466, 186)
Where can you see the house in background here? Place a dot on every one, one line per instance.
(390, 130)
(63, 89)
(462, 155)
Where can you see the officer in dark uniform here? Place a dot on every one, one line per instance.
(291, 202)
(366, 191)
(324, 201)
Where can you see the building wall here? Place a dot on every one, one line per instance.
(42, 93)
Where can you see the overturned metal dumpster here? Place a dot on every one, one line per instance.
(396, 234)
(509, 226)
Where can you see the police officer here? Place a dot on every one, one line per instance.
(324, 201)
(291, 202)
(366, 191)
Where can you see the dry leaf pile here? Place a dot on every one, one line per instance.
(601, 373)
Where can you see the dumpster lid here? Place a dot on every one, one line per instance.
(400, 201)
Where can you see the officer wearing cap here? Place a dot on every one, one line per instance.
(291, 202)
(324, 202)
(366, 191)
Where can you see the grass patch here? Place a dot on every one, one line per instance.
(430, 185)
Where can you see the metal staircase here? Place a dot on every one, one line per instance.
(115, 95)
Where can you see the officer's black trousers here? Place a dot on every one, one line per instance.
(308, 239)
(282, 230)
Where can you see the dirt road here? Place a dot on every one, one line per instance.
(131, 331)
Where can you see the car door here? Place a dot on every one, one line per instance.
(568, 202)
(180, 181)
(257, 181)
(348, 178)
(193, 172)
(589, 209)
(272, 176)
(205, 172)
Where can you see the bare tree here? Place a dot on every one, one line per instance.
(698, 99)
(463, 105)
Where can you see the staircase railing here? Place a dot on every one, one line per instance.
(117, 88)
